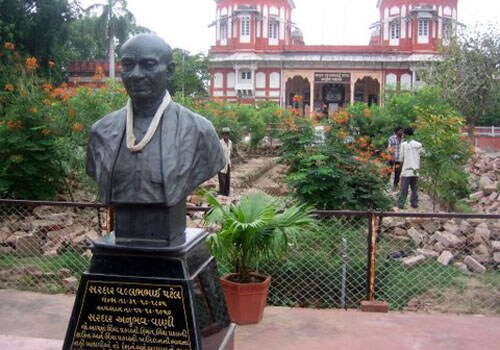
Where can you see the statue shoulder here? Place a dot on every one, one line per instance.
(108, 122)
(194, 117)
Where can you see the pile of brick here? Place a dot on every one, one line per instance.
(468, 244)
(484, 170)
(45, 232)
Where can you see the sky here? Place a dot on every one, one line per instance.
(184, 24)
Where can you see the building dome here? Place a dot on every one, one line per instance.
(297, 37)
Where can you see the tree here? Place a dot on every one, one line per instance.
(82, 43)
(191, 73)
(38, 27)
(469, 74)
(115, 23)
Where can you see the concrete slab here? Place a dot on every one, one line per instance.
(31, 321)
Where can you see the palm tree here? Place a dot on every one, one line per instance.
(115, 23)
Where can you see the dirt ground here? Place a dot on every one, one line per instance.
(266, 174)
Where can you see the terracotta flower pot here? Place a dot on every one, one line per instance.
(245, 301)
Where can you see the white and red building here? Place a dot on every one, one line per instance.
(259, 54)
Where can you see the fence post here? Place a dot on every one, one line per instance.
(372, 245)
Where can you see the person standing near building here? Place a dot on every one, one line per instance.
(393, 149)
(409, 156)
(225, 173)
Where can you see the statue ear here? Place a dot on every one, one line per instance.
(171, 70)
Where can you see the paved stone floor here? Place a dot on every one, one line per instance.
(31, 321)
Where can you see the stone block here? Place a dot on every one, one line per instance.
(415, 235)
(445, 257)
(374, 306)
(46, 225)
(451, 227)
(398, 231)
(447, 239)
(489, 190)
(400, 238)
(28, 245)
(481, 249)
(70, 283)
(465, 227)
(474, 265)
(496, 257)
(476, 196)
(430, 226)
(484, 181)
(5, 250)
(427, 252)
(56, 234)
(460, 266)
(483, 229)
(495, 245)
(413, 260)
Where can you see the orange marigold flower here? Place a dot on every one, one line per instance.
(9, 87)
(77, 127)
(46, 132)
(34, 110)
(9, 46)
(31, 64)
(47, 87)
(14, 124)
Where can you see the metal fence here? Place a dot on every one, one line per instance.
(413, 261)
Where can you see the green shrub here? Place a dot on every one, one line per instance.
(333, 175)
(30, 161)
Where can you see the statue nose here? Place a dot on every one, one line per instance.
(136, 72)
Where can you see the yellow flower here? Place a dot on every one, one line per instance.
(34, 110)
(46, 132)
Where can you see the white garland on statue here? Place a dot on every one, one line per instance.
(132, 147)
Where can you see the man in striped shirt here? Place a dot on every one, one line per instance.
(393, 148)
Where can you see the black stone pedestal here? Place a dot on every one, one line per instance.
(150, 298)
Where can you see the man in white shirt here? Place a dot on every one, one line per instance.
(409, 156)
(225, 173)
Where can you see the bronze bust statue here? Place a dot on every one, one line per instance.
(150, 155)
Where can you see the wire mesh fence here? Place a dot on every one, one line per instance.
(447, 263)
(44, 246)
(413, 261)
(326, 266)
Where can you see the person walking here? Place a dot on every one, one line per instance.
(393, 149)
(409, 156)
(225, 173)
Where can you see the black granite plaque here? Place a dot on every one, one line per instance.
(126, 313)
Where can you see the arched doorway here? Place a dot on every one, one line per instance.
(298, 93)
(367, 90)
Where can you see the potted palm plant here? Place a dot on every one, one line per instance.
(257, 227)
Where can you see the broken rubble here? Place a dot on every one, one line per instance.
(445, 257)
(474, 265)
(413, 260)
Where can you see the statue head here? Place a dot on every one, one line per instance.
(147, 68)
